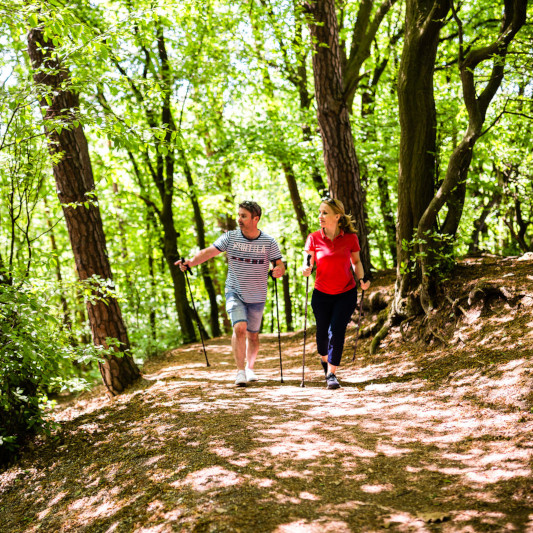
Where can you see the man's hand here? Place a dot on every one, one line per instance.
(183, 264)
(277, 272)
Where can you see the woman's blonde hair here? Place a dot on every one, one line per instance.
(345, 221)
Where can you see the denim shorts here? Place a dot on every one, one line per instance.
(240, 311)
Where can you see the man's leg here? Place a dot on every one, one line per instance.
(252, 348)
(236, 309)
(238, 343)
(254, 314)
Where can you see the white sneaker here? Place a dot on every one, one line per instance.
(240, 380)
(250, 375)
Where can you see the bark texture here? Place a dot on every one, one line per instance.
(340, 158)
(416, 179)
(297, 203)
(75, 188)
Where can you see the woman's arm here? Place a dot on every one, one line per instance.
(359, 270)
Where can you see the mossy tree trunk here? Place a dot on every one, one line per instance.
(416, 180)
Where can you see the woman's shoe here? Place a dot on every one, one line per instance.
(332, 381)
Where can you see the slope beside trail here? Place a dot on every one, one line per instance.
(419, 438)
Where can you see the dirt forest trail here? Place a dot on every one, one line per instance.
(418, 439)
(393, 450)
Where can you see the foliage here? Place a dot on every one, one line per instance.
(439, 245)
(36, 360)
(241, 96)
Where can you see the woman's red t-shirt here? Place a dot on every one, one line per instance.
(333, 260)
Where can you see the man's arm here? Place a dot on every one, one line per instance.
(200, 257)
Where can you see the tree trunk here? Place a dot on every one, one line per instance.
(164, 179)
(386, 213)
(200, 238)
(367, 109)
(67, 322)
(453, 188)
(296, 199)
(416, 180)
(75, 188)
(305, 100)
(287, 301)
(152, 313)
(4, 278)
(363, 36)
(170, 246)
(337, 140)
(226, 322)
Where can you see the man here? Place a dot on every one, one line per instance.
(249, 252)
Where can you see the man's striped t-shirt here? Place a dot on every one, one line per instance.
(248, 263)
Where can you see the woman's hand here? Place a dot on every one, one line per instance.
(308, 263)
(364, 284)
(307, 271)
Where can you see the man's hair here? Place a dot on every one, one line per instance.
(253, 207)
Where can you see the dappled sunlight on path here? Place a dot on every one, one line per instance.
(185, 450)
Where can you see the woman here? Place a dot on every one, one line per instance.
(334, 249)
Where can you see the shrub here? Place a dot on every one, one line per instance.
(36, 355)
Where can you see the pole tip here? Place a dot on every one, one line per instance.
(302, 384)
(208, 364)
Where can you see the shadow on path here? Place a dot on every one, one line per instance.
(187, 451)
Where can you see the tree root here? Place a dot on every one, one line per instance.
(403, 323)
(455, 304)
(376, 326)
(419, 320)
(484, 291)
(381, 334)
(438, 336)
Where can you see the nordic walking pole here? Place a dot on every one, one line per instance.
(358, 324)
(277, 313)
(302, 384)
(195, 313)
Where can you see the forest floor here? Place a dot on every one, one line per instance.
(420, 437)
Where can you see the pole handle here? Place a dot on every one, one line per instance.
(187, 267)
